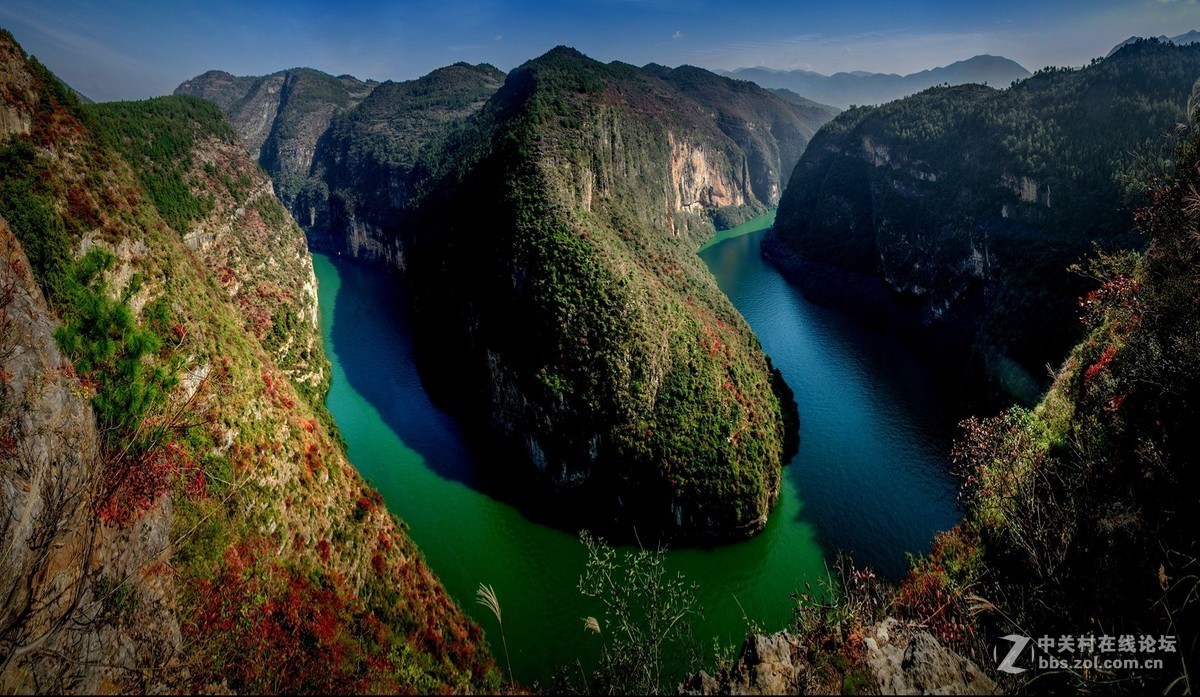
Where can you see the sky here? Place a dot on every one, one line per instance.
(129, 49)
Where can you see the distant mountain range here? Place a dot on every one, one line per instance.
(1191, 37)
(863, 88)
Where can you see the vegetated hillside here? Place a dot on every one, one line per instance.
(181, 513)
(1079, 513)
(847, 89)
(957, 212)
(281, 116)
(561, 301)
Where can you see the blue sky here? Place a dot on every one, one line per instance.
(126, 49)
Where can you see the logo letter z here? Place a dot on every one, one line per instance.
(1019, 643)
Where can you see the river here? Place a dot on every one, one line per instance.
(870, 476)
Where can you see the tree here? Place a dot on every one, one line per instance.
(646, 619)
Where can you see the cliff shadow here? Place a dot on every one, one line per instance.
(374, 342)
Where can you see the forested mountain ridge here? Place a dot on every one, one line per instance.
(957, 212)
(350, 183)
(181, 515)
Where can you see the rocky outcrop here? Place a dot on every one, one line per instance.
(14, 114)
(917, 664)
(896, 662)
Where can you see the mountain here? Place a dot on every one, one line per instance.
(547, 223)
(955, 213)
(862, 88)
(1190, 37)
(281, 116)
(184, 517)
(558, 288)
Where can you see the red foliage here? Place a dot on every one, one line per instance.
(265, 628)
(927, 596)
(312, 456)
(276, 390)
(1118, 292)
(131, 485)
(324, 550)
(81, 208)
(1094, 371)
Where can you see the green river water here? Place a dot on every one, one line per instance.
(869, 477)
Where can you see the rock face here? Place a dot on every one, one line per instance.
(57, 557)
(955, 213)
(896, 663)
(922, 667)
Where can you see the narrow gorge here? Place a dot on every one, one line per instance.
(546, 222)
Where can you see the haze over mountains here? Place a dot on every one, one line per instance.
(865, 88)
